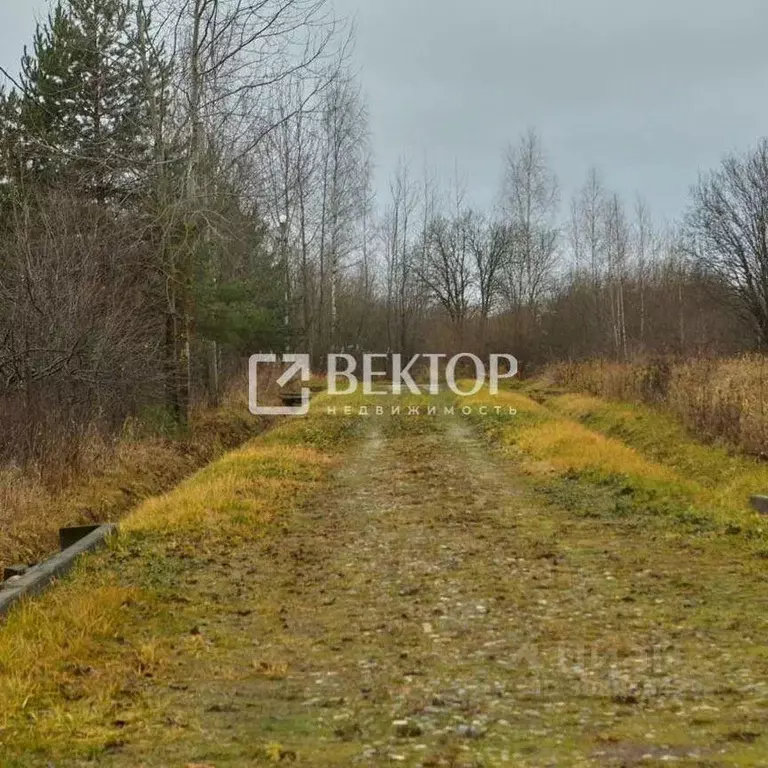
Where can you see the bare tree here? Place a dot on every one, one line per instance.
(288, 174)
(346, 170)
(446, 270)
(617, 249)
(489, 243)
(588, 210)
(400, 251)
(232, 62)
(529, 202)
(79, 344)
(645, 247)
(728, 226)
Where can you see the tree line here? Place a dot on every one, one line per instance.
(185, 184)
(142, 248)
(548, 279)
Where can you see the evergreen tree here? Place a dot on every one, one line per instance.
(86, 93)
(10, 136)
(48, 126)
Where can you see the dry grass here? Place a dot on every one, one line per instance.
(73, 663)
(725, 479)
(239, 493)
(718, 400)
(118, 475)
(567, 445)
(58, 655)
(264, 612)
(642, 460)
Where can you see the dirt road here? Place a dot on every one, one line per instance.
(427, 606)
(429, 609)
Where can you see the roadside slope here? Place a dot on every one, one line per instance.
(120, 476)
(80, 668)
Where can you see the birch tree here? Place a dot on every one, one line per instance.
(617, 251)
(402, 292)
(588, 242)
(529, 203)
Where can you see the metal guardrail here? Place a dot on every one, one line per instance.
(75, 542)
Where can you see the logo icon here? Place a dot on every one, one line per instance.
(299, 365)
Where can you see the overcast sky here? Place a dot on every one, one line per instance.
(649, 92)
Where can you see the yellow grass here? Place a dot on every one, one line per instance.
(74, 664)
(507, 400)
(643, 453)
(56, 656)
(718, 400)
(119, 475)
(726, 480)
(65, 662)
(238, 493)
(567, 445)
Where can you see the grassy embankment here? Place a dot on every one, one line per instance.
(630, 462)
(74, 664)
(149, 457)
(84, 669)
(717, 400)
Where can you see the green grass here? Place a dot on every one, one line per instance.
(639, 464)
(659, 437)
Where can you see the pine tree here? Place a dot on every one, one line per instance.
(85, 99)
(47, 122)
(10, 136)
(113, 138)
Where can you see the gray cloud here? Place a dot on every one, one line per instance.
(17, 26)
(649, 92)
